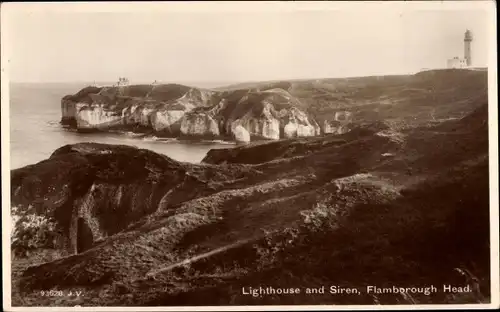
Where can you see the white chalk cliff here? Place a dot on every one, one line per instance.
(176, 110)
(340, 123)
(95, 116)
(199, 125)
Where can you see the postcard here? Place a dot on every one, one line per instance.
(175, 156)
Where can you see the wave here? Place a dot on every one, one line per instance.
(153, 138)
(133, 134)
(220, 142)
(126, 133)
(158, 139)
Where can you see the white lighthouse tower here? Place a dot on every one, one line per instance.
(466, 61)
(467, 48)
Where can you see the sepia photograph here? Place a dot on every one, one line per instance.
(249, 156)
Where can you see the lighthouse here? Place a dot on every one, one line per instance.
(467, 47)
(466, 61)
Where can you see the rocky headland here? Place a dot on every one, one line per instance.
(382, 204)
(273, 110)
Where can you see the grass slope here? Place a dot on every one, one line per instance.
(375, 206)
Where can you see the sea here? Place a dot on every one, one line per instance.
(35, 131)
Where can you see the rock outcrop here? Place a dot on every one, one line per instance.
(199, 124)
(95, 116)
(168, 120)
(180, 111)
(340, 123)
(103, 187)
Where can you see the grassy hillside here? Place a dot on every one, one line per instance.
(375, 206)
(425, 96)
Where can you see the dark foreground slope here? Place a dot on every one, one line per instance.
(371, 207)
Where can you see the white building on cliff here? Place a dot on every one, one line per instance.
(456, 62)
(122, 82)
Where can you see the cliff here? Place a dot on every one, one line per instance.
(103, 188)
(181, 111)
(374, 206)
(275, 110)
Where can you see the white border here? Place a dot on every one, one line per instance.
(6, 224)
(246, 6)
(254, 7)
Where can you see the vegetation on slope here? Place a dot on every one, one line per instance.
(375, 206)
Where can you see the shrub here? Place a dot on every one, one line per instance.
(31, 231)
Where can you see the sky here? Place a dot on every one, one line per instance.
(52, 42)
